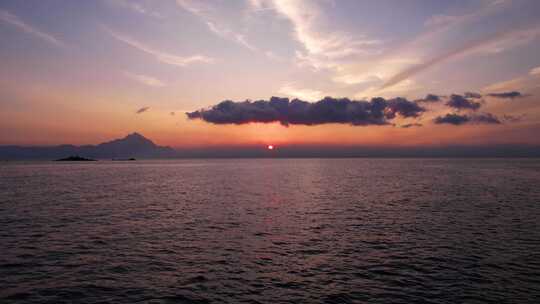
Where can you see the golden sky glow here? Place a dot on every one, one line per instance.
(79, 72)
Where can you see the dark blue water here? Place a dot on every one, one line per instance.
(271, 231)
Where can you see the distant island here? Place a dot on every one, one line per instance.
(75, 158)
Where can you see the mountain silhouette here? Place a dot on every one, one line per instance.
(133, 145)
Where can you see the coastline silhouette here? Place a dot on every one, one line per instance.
(135, 146)
(75, 158)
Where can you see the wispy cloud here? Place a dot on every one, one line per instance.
(529, 81)
(367, 61)
(205, 12)
(403, 88)
(142, 110)
(135, 7)
(444, 20)
(437, 45)
(517, 38)
(322, 47)
(306, 94)
(483, 44)
(15, 21)
(535, 71)
(160, 55)
(147, 80)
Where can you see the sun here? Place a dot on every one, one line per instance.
(270, 147)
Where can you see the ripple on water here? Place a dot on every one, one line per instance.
(271, 231)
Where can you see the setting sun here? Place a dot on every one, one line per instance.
(270, 147)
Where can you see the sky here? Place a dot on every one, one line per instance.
(189, 73)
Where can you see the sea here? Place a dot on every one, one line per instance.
(362, 230)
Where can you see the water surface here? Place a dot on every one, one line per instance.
(271, 231)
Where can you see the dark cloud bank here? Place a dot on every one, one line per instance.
(430, 98)
(459, 102)
(510, 95)
(458, 119)
(472, 95)
(377, 111)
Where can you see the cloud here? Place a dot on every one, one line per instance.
(159, 55)
(136, 7)
(510, 95)
(21, 25)
(306, 94)
(378, 111)
(406, 126)
(403, 107)
(443, 20)
(461, 103)
(142, 110)
(485, 118)
(206, 13)
(430, 98)
(321, 46)
(529, 81)
(147, 80)
(506, 38)
(404, 87)
(535, 71)
(454, 119)
(412, 55)
(458, 119)
(520, 37)
(472, 95)
(513, 118)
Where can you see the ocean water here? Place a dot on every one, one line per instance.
(271, 231)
